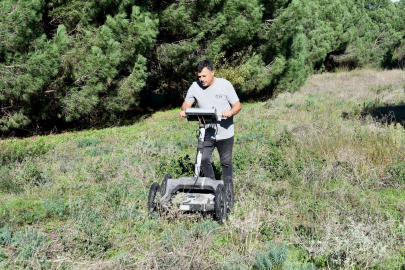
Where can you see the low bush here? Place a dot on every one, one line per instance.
(204, 228)
(86, 142)
(115, 194)
(3, 256)
(97, 151)
(92, 236)
(396, 171)
(28, 243)
(5, 236)
(33, 175)
(18, 150)
(273, 257)
(236, 262)
(176, 167)
(7, 180)
(57, 209)
(353, 245)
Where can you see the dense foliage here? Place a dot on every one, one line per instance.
(92, 60)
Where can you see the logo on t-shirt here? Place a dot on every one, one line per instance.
(220, 96)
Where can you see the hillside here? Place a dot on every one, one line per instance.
(319, 183)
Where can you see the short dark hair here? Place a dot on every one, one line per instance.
(203, 64)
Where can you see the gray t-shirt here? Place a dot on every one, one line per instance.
(220, 95)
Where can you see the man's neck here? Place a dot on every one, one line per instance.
(213, 81)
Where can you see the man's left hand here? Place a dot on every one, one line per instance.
(227, 114)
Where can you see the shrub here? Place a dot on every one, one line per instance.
(353, 245)
(116, 194)
(2, 255)
(234, 68)
(396, 171)
(205, 227)
(28, 243)
(97, 151)
(236, 262)
(93, 232)
(6, 180)
(55, 208)
(18, 150)
(176, 167)
(5, 236)
(86, 142)
(130, 212)
(273, 257)
(33, 175)
(173, 237)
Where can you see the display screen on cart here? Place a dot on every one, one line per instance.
(196, 114)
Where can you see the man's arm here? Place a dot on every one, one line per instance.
(183, 108)
(236, 107)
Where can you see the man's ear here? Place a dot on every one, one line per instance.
(213, 72)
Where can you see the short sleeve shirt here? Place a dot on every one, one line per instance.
(221, 95)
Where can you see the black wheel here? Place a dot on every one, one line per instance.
(220, 204)
(153, 200)
(164, 184)
(229, 193)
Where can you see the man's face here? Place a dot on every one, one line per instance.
(206, 77)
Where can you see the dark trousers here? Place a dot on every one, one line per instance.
(224, 148)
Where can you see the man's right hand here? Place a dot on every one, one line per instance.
(183, 108)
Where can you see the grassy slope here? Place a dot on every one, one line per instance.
(313, 170)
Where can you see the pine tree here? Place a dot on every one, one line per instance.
(69, 60)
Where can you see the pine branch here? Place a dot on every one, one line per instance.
(12, 66)
(378, 38)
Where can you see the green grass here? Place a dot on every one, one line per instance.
(318, 180)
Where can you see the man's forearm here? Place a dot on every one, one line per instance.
(236, 108)
(186, 105)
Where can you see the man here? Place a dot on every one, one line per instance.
(210, 92)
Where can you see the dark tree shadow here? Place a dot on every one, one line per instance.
(386, 113)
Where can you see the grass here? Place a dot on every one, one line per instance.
(319, 183)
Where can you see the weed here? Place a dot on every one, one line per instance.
(7, 180)
(97, 151)
(86, 142)
(179, 236)
(28, 243)
(176, 167)
(350, 247)
(56, 209)
(5, 236)
(288, 104)
(93, 233)
(252, 136)
(381, 88)
(3, 256)
(116, 194)
(309, 103)
(204, 228)
(18, 150)
(236, 262)
(273, 257)
(396, 171)
(33, 175)
(130, 213)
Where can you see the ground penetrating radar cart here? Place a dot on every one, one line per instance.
(194, 194)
